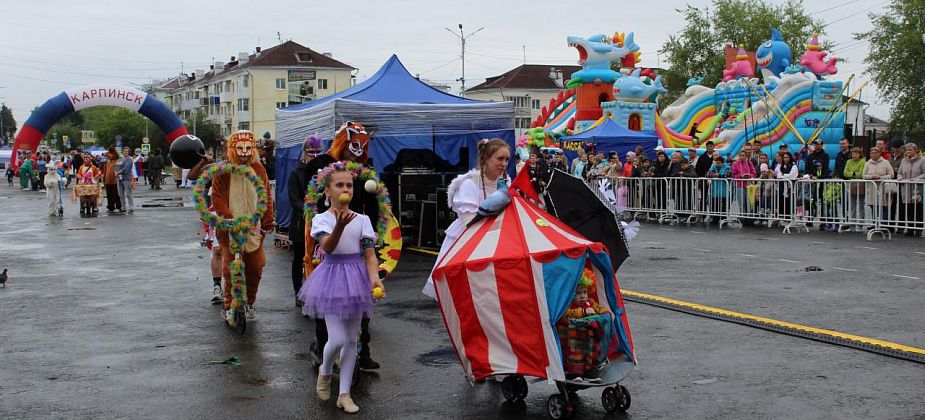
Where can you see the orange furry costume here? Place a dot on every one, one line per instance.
(232, 196)
(350, 139)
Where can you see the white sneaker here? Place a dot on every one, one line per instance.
(217, 294)
(227, 316)
(250, 312)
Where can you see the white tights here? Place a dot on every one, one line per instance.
(342, 337)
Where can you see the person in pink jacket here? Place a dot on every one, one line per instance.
(743, 169)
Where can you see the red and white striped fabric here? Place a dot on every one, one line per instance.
(491, 292)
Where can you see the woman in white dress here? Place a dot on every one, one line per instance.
(468, 190)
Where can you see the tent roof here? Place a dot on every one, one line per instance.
(609, 129)
(391, 84)
(521, 231)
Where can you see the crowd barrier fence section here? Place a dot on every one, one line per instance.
(869, 206)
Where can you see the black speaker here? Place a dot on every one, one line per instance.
(416, 196)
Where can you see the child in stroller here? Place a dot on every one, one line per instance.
(585, 334)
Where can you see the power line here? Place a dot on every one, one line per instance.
(440, 66)
(57, 82)
(849, 46)
(71, 66)
(111, 76)
(834, 7)
(855, 13)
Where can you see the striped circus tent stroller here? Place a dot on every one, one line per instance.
(503, 287)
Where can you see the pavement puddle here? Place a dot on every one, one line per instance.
(440, 357)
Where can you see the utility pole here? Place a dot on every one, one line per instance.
(462, 39)
(525, 53)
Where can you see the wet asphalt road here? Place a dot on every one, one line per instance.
(110, 318)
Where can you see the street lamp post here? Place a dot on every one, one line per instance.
(462, 38)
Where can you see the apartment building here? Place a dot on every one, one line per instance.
(529, 86)
(244, 92)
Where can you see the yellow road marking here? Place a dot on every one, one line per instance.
(769, 321)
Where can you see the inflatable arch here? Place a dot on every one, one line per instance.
(73, 100)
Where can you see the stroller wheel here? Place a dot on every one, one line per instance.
(514, 388)
(625, 399)
(616, 398)
(558, 408)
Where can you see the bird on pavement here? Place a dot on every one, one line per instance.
(494, 203)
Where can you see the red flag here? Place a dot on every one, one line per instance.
(522, 183)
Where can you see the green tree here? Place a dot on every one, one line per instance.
(56, 134)
(121, 122)
(207, 131)
(896, 63)
(698, 48)
(7, 121)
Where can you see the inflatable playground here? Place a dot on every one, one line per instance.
(765, 98)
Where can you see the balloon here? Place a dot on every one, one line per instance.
(186, 151)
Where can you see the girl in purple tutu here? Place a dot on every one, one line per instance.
(339, 289)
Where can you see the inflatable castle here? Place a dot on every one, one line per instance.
(791, 103)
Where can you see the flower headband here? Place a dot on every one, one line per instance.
(324, 173)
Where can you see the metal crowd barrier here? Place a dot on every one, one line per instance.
(872, 207)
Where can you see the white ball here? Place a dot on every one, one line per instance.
(370, 186)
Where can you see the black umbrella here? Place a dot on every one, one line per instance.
(574, 203)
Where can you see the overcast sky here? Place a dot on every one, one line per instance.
(50, 46)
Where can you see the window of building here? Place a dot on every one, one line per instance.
(244, 126)
(303, 57)
(244, 80)
(536, 104)
(280, 83)
(522, 122)
(244, 104)
(280, 105)
(519, 101)
(322, 84)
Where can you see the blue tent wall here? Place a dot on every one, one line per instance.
(286, 161)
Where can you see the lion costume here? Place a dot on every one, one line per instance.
(233, 196)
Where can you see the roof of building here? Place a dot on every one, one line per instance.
(171, 83)
(287, 54)
(291, 53)
(870, 119)
(527, 76)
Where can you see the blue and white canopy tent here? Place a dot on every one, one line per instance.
(609, 136)
(401, 112)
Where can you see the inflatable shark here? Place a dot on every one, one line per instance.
(595, 54)
(774, 54)
(632, 89)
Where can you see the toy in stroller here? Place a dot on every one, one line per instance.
(518, 327)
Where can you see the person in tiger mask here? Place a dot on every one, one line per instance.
(351, 142)
(232, 196)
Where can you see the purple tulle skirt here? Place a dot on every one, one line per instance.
(338, 288)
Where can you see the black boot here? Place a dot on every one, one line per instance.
(365, 361)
